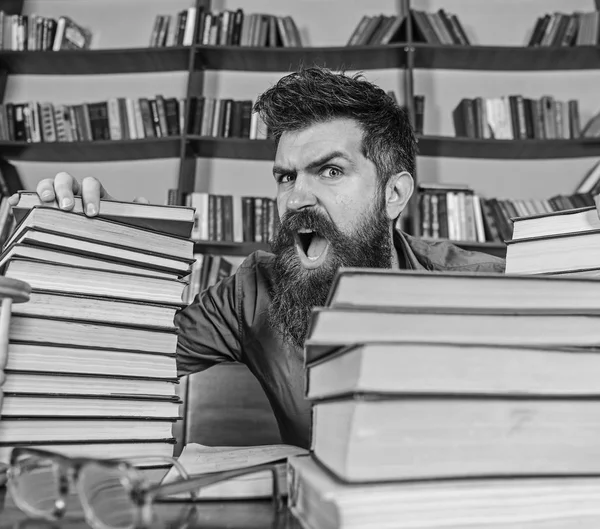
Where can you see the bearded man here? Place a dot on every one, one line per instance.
(345, 155)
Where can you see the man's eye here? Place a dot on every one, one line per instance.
(286, 179)
(331, 172)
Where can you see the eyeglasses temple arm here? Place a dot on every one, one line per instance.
(197, 482)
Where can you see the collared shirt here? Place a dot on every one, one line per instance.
(229, 323)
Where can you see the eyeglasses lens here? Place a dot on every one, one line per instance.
(105, 491)
(35, 484)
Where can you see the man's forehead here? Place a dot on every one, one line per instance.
(340, 137)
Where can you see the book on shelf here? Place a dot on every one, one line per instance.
(225, 118)
(515, 117)
(225, 28)
(174, 220)
(118, 118)
(207, 270)
(440, 27)
(91, 361)
(38, 33)
(200, 459)
(378, 30)
(564, 29)
(233, 219)
(321, 501)
(455, 212)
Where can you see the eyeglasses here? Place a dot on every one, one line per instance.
(114, 493)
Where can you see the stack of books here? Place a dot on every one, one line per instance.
(452, 400)
(91, 364)
(566, 243)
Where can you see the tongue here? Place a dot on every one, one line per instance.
(317, 247)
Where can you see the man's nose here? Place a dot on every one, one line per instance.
(302, 196)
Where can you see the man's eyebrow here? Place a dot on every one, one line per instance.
(279, 169)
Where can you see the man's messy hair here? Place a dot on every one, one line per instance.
(315, 95)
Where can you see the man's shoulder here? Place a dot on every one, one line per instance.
(443, 255)
(256, 269)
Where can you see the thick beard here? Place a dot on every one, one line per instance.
(295, 290)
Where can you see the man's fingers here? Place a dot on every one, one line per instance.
(141, 200)
(13, 200)
(65, 188)
(91, 193)
(45, 190)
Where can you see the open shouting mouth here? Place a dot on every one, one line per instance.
(311, 248)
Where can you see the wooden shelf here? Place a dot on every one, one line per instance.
(92, 151)
(506, 58)
(452, 147)
(237, 148)
(91, 62)
(239, 249)
(289, 59)
(493, 248)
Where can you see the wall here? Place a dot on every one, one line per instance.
(322, 22)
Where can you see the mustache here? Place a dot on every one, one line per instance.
(311, 219)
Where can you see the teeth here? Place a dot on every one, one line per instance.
(305, 230)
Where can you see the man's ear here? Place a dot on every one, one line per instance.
(398, 191)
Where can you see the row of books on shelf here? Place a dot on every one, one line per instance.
(233, 219)
(115, 119)
(562, 29)
(516, 117)
(207, 270)
(225, 28)
(456, 213)
(225, 118)
(91, 364)
(37, 33)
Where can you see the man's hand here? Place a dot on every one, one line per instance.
(64, 187)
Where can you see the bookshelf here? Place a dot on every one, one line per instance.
(196, 61)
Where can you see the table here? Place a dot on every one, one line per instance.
(205, 515)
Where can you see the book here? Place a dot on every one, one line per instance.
(411, 290)
(54, 277)
(558, 222)
(97, 309)
(54, 406)
(332, 328)
(199, 459)
(32, 357)
(57, 383)
(123, 450)
(47, 331)
(55, 240)
(452, 369)
(72, 259)
(434, 437)
(552, 254)
(70, 35)
(104, 231)
(320, 501)
(173, 220)
(55, 431)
